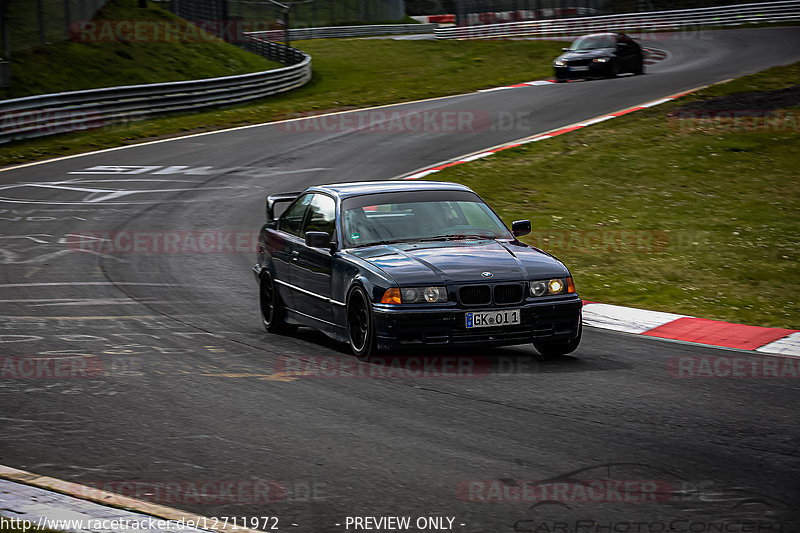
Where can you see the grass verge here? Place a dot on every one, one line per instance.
(684, 215)
(95, 59)
(348, 73)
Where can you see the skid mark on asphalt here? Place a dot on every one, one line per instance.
(16, 249)
(89, 192)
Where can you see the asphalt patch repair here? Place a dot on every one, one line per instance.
(744, 104)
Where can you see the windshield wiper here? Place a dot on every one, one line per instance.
(378, 243)
(456, 237)
(439, 238)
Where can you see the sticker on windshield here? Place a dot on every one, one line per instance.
(355, 235)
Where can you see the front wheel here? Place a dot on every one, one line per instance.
(613, 69)
(557, 349)
(360, 325)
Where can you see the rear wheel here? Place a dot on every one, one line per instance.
(273, 313)
(639, 69)
(557, 349)
(360, 326)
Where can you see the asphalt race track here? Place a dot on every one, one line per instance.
(185, 386)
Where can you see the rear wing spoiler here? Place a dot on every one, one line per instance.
(273, 199)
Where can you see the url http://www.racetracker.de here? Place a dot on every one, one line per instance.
(137, 524)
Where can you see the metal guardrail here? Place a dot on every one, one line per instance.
(48, 114)
(731, 15)
(299, 34)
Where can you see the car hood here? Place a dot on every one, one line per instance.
(461, 262)
(586, 54)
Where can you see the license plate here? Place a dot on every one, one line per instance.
(578, 69)
(488, 319)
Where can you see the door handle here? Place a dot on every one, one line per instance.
(295, 253)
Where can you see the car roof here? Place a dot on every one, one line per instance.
(604, 34)
(360, 188)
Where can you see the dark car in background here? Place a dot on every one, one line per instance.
(599, 55)
(386, 264)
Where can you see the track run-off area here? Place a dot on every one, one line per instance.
(159, 378)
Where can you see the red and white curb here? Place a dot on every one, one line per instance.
(523, 84)
(54, 504)
(653, 56)
(691, 329)
(417, 174)
(641, 321)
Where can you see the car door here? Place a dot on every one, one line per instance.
(283, 244)
(312, 267)
(626, 52)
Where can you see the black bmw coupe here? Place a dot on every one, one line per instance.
(386, 264)
(599, 55)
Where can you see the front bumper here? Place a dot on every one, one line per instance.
(595, 70)
(545, 321)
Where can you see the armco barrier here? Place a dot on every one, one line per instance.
(676, 20)
(48, 114)
(299, 34)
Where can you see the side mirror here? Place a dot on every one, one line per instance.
(565, 49)
(318, 239)
(520, 227)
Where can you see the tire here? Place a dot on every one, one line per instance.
(273, 312)
(613, 69)
(558, 349)
(360, 324)
(639, 69)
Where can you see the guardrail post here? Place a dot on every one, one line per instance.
(5, 74)
(40, 20)
(6, 34)
(67, 18)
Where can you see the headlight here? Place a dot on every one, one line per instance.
(415, 295)
(538, 288)
(558, 63)
(551, 286)
(601, 59)
(555, 286)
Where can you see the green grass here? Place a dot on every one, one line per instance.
(714, 209)
(75, 65)
(348, 73)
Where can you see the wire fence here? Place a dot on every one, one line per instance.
(302, 14)
(476, 12)
(783, 11)
(29, 23)
(26, 24)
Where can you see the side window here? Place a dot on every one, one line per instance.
(321, 215)
(291, 220)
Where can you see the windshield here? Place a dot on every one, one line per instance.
(591, 42)
(417, 217)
